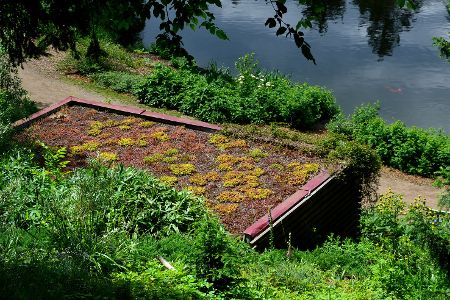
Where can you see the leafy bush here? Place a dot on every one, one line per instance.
(252, 97)
(113, 58)
(362, 166)
(409, 149)
(91, 201)
(442, 181)
(121, 82)
(14, 102)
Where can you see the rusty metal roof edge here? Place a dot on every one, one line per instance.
(130, 110)
(288, 212)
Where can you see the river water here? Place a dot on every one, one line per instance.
(366, 50)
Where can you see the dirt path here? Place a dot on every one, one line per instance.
(409, 186)
(46, 86)
(44, 83)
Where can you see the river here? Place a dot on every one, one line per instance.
(365, 51)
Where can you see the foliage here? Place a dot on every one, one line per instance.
(86, 234)
(14, 102)
(443, 180)
(28, 28)
(408, 234)
(362, 166)
(114, 58)
(121, 82)
(443, 44)
(409, 149)
(214, 258)
(108, 199)
(253, 97)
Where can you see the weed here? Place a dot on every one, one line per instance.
(124, 127)
(87, 146)
(226, 208)
(197, 190)
(150, 159)
(257, 153)
(230, 196)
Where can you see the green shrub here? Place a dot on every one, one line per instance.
(14, 102)
(309, 105)
(362, 166)
(5, 137)
(252, 97)
(91, 201)
(409, 149)
(442, 181)
(113, 58)
(120, 82)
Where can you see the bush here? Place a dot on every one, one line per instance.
(362, 167)
(14, 102)
(120, 82)
(252, 97)
(113, 57)
(410, 149)
(91, 201)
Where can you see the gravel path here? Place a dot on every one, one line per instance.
(46, 86)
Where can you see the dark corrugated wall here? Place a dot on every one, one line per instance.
(333, 208)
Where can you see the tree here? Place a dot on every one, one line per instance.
(28, 27)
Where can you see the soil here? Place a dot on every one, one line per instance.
(241, 180)
(46, 86)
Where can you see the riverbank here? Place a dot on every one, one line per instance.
(46, 85)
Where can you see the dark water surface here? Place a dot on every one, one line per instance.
(365, 51)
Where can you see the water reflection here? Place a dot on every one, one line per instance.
(385, 22)
(411, 81)
(323, 11)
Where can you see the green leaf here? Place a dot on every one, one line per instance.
(281, 30)
(306, 51)
(271, 22)
(281, 7)
(401, 3)
(298, 40)
(221, 34)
